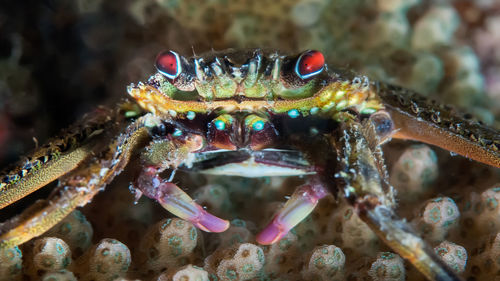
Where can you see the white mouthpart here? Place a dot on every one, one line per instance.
(251, 169)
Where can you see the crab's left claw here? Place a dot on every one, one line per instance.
(178, 202)
(299, 206)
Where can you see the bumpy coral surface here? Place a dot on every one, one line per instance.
(84, 53)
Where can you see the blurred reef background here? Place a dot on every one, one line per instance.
(61, 58)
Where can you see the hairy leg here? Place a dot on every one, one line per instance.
(365, 189)
(58, 157)
(75, 189)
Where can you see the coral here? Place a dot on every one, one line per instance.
(454, 255)
(387, 267)
(279, 257)
(487, 210)
(485, 262)
(62, 275)
(166, 242)
(49, 255)
(415, 171)
(390, 28)
(107, 260)
(326, 263)
(239, 262)
(11, 264)
(76, 232)
(351, 234)
(437, 217)
(238, 233)
(479, 215)
(306, 13)
(185, 273)
(395, 5)
(466, 84)
(213, 196)
(426, 73)
(435, 28)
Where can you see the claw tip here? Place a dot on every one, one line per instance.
(270, 235)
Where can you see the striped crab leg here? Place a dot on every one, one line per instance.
(58, 157)
(77, 188)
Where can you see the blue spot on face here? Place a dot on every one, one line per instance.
(314, 110)
(190, 115)
(177, 133)
(220, 125)
(259, 125)
(294, 113)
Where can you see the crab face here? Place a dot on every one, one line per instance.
(252, 100)
(249, 113)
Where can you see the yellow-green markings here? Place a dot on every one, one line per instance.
(223, 121)
(43, 215)
(255, 122)
(40, 177)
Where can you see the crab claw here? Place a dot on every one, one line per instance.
(177, 202)
(297, 208)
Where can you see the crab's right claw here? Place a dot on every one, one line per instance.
(298, 207)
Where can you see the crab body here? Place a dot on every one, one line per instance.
(249, 113)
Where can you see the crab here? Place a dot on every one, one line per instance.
(250, 113)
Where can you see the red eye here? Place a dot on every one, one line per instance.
(309, 64)
(168, 63)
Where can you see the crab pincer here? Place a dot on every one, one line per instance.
(297, 208)
(176, 201)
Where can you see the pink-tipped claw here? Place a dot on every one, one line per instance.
(178, 202)
(297, 208)
(270, 234)
(210, 223)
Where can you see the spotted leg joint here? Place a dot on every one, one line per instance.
(177, 202)
(297, 208)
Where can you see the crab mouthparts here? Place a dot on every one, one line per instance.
(250, 164)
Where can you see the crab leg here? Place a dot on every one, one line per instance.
(55, 159)
(419, 119)
(75, 190)
(298, 207)
(365, 190)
